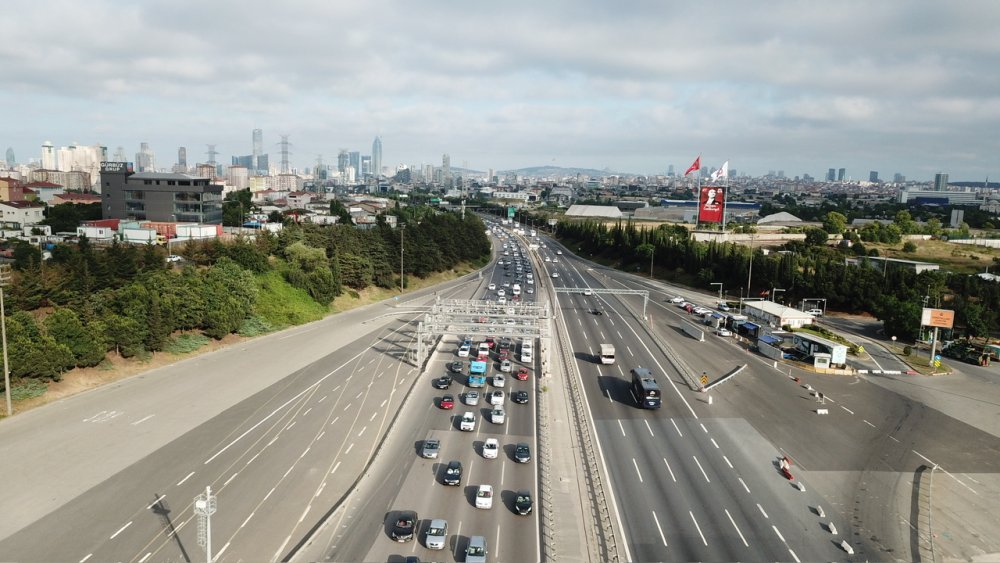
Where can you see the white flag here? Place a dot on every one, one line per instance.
(722, 172)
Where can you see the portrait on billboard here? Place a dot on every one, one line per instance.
(711, 205)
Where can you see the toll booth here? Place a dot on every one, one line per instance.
(812, 346)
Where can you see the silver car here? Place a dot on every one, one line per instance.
(437, 534)
(430, 449)
(476, 551)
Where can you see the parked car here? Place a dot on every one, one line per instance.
(457, 366)
(437, 533)
(723, 332)
(463, 351)
(522, 503)
(402, 528)
(499, 380)
(491, 447)
(484, 497)
(453, 473)
(468, 422)
(505, 365)
(431, 448)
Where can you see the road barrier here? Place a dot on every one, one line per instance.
(822, 411)
(847, 547)
(693, 331)
(725, 378)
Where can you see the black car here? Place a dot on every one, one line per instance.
(402, 529)
(442, 382)
(597, 312)
(520, 397)
(522, 453)
(456, 367)
(453, 473)
(523, 504)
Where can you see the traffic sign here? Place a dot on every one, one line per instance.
(704, 379)
(937, 357)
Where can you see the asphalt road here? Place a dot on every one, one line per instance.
(402, 480)
(279, 427)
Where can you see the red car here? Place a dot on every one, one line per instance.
(503, 355)
(447, 402)
(490, 341)
(522, 374)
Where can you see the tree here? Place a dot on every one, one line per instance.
(32, 353)
(64, 326)
(909, 247)
(816, 237)
(834, 223)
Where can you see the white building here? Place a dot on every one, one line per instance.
(21, 212)
(771, 314)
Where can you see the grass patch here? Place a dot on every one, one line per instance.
(280, 305)
(27, 389)
(255, 326)
(185, 343)
(959, 258)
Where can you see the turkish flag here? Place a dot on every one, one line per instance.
(695, 166)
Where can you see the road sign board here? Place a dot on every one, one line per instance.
(704, 380)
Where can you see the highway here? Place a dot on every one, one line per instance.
(359, 530)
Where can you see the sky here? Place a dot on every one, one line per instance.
(910, 87)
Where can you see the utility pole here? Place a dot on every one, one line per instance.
(204, 507)
(401, 227)
(4, 280)
(720, 289)
(652, 251)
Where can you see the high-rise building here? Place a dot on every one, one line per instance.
(119, 155)
(258, 149)
(940, 182)
(145, 161)
(343, 161)
(873, 176)
(182, 158)
(446, 169)
(366, 166)
(48, 156)
(831, 175)
(10, 156)
(841, 174)
(354, 160)
(898, 178)
(670, 170)
(377, 157)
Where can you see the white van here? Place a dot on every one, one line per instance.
(516, 289)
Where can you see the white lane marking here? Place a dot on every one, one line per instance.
(360, 393)
(703, 427)
(619, 334)
(305, 452)
(608, 393)
(737, 528)
(384, 401)
(702, 470)
(334, 470)
(846, 409)
(307, 411)
(782, 538)
(334, 389)
(662, 537)
(348, 406)
(497, 554)
(868, 423)
(603, 339)
(289, 427)
(629, 350)
(120, 530)
(334, 421)
(728, 462)
(649, 428)
(698, 528)
(89, 555)
(579, 321)
(145, 557)
(761, 508)
(141, 420)
(304, 512)
(348, 450)
(216, 556)
(893, 439)
(665, 462)
(637, 469)
(374, 414)
(181, 482)
(287, 471)
(714, 444)
(269, 493)
(321, 400)
(362, 431)
(744, 485)
(158, 501)
(946, 472)
(677, 428)
(795, 557)
(321, 434)
(248, 519)
(622, 427)
(277, 554)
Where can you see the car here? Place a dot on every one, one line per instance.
(453, 473)
(597, 312)
(501, 300)
(501, 293)
(447, 402)
(499, 380)
(497, 415)
(555, 261)
(490, 448)
(442, 382)
(522, 374)
(547, 259)
(522, 503)
(496, 397)
(484, 497)
(724, 332)
(505, 366)
(468, 422)
(522, 452)
(588, 292)
(490, 341)
(555, 274)
(483, 350)
(559, 252)
(724, 307)
(431, 448)
(815, 312)
(475, 552)
(701, 310)
(437, 533)
(463, 351)
(174, 258)
(402, 528)
(456, 366)
(679, 301)
(492, 287)
(520, 397)
(472, 398)
(530, 290)
(503, 355)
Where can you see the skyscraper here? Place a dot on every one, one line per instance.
(354, 159)
(841, 174)
(10, 156)
(831, 175)
(377, 157)
(258, 148)
(48, 156)
(446, 169)
(182, 158)
(940, 182)
(343, 161)
(145, 161)
(873, 176)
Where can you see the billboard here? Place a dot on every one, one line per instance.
(510, 212)
(942, 318)
(710, 204)
(111, 166)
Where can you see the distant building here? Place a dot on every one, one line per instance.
(145, 161)
(841, 174)
(940, 182)
(21, 212)
(75, 198)
(873, 176)
(158, 197)
(831, 175)
(376, 157)
(608, 211)
(769, 313)
(880, 263)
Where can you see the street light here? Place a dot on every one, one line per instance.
(4, 280)
(720, 289)
(775, 290)
(401, 227)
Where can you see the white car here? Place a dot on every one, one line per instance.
(468, 423)
(492, 286)
(499, 380)
(173, 258)
(437, 533)
(484, 349)
(497, 415)
(504, 367)
(496, 398)
(547, 259)
(588, 292)
(559, 252)
(502, 300)
(555, 274)
(723, 307)
(677, 299)
(815, 312)
(472, 398)
(701, 310)
(501, 293)
(484, 497)
(463, 352)
(491, 448)
(724, 332)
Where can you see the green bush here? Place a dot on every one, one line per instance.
(27, 389)
(185, 343)
(255, 326)
(907, 350)
(278, 304)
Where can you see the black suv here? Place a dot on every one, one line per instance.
(522, 453)
(453, 473)
(402, 529)
(522, 503)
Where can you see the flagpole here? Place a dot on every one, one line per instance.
(725, 198)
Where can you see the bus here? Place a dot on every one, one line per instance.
(645, 390)
(477, 374)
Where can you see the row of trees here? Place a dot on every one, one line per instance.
(894, 296)
(85, 301)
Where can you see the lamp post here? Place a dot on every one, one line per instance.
(4, 280)
(720, 289)
(775, 290)
(652, 251)
(401, 227)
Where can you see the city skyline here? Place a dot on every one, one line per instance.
(894, 88)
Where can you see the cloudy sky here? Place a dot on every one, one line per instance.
(634, 86)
